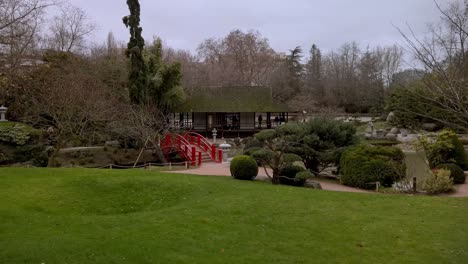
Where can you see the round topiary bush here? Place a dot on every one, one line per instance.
(363, 166)
(304, 175)
(244, 168)
(456, 173)
(288, 175)
(290, 171)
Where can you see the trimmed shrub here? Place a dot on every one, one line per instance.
(304, 175)
(456, 173)
(438, 182)
(290, 171)
(447, 148)
(244, 168)
(288, 175)
(364, 165)
(291, 158)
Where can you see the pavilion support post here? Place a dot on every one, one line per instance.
(268, 120)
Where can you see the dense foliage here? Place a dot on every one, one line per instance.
(456, 173)
(15, 135)
(438, 181)
(138, 69)
(244, 168)
(289, 173)
(445, 148)
(318, 143)
(362, 166)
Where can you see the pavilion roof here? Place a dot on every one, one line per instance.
(232, 99)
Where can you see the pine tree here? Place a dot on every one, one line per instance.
(138, 76)
(314, 73)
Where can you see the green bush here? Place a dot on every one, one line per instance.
(15, 135)
(364, 165)
(447, 148)
(35, 153)
(304, 175)
(290, 171)
(456, 173)
(291, 158)
(244, 168)
(288, 175)
(438, 182)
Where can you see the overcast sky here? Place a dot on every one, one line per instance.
(286, 23)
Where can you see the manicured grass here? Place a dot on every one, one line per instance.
(112, 216)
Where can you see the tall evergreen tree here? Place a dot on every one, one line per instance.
(295, 69)
(138, 76)
(314, 73)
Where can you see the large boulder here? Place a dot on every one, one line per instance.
(313, 185)
(390, 117)
(391, 136)
(429, 127)
(380, 134)
(395, 130)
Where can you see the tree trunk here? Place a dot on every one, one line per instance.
(276, 177)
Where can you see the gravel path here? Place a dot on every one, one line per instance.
(222, 170)
(461, 189)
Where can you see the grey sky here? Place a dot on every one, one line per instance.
(329, 23)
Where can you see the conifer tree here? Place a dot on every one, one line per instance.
(137, 78)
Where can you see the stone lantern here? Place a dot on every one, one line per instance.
(226, 148)
(3, 111)
(215, 133)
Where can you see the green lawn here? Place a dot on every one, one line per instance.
(112, 216)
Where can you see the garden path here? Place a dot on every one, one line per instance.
(217, 169)
(461, 189)
(222, 170)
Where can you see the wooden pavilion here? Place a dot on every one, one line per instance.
(232, 111)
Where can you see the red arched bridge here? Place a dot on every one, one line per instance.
(191, 147)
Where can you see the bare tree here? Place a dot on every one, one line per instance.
(69, 98)
(20, 22)
(238, 59)
(443, 53)
(70, 29)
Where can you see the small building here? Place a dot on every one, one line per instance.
(233, 111)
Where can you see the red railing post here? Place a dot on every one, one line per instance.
(199, 158)
(220, 155)
(194, 157)
(199, 140)
(213, 152)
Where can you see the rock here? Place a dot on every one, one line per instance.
(112, 144)
(368, 136)
(390, 117)
(380, 134)
(395, 130)
(429, 126)
(404, 132)
(313, 185)
(411, 138)
(391, 136)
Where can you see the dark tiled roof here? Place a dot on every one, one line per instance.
(232, 99)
